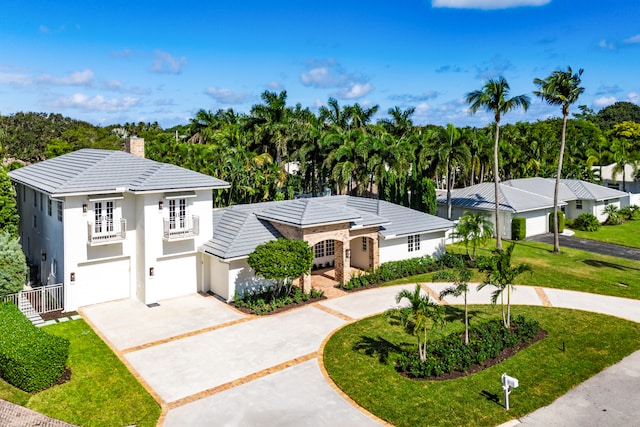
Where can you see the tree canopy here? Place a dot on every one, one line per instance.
(13, 265)
(281, 260)
(9, 218)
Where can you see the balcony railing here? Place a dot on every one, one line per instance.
(181, 228)
(105, 232)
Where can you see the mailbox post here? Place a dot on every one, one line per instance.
(508, 383)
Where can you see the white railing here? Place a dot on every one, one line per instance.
(107, 231)
(181, 228)
(43, 299)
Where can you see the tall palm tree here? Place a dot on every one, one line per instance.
(560, 88)
(493, 97)
(453, 153)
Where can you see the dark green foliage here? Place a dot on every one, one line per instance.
(560, 222)
(30, 359)
(281, 260)
(618, 113)
(629, 213)
(393, 270)
(13, 265)
(268, 298)
(518, 228)
(586, 222)
(486, 341)
(9, 218)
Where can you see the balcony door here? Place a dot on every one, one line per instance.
(103, 216)
(177, 214)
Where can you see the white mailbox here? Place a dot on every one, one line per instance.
(507, 384)
(508, 381)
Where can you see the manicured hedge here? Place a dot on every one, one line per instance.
(30, 359)
(450, 353)
(393, 270)
(560, 222)
(518, 228)
(586, 222)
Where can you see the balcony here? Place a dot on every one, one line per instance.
(181, 228)
(106, 232)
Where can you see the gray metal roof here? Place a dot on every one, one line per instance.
(90, 171)
(588, 191)
(543, 186)
(239, 229)
(511, 199)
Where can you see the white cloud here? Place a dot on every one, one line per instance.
(165, 63)
(487, 4)
(355, 90)
(604, 101)
(76, 78)
(225, 96)
(607, 45)
(495, 67)
(328, 74)
(15, 79)
(634, 97)
(82, 101)
(633, 40)
(274, 85)
(118, 86)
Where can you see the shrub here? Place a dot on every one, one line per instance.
(630, 212)
(269, 298)
(486, 341)
(560, 222)
(13, 265)
(613, 215)
(30, 359)
(518, 228)
(586, 222)
(393, 270)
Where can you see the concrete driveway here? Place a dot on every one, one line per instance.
(590, 246)
(207, 364)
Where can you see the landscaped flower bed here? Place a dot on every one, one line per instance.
(270, 300)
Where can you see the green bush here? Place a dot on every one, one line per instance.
(13, 265)
(30, 359)
(266, 299)
(450, 353)
(630, 212)
(393, 270)
(586, 222)
(518, 228)
(560, 222)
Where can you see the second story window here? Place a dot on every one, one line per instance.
(177, 213)
(49, 207)
(60, 206)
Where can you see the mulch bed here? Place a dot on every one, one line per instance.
(247, 310)
(503, 355)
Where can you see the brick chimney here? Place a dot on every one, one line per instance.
(134, 145)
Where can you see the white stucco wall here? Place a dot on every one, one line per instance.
(242, 279)
(432, 244)
(359, 258)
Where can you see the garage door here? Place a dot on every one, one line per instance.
(102, 282)
(175, 277)
(536, 225)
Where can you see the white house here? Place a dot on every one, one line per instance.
(344, 232)
(532, 199)
(626, 180)
(111, 225)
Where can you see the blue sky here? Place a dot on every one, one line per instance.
(117, 61)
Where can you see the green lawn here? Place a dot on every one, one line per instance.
(360, 357)
(571, 269)
(626, 234)
(102, 392)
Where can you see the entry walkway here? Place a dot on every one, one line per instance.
(247, 370)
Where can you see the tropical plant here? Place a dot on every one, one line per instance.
(475, 228)
(493, 97)
(613, 215)
(420, 316)
(586, 222)
(460, 277)
(501, 274)
(560, 88)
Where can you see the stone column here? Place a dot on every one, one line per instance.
(375, 252)
(305, 283)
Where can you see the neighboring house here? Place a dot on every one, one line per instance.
(344, 232)
(111, 225)
(532, 199)
(627, 181)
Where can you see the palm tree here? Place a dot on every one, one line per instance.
(475, 228)
(560, 88)
(460, 277)
(419, 316)
(501, 274)
(452, 152)
(493, 97)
